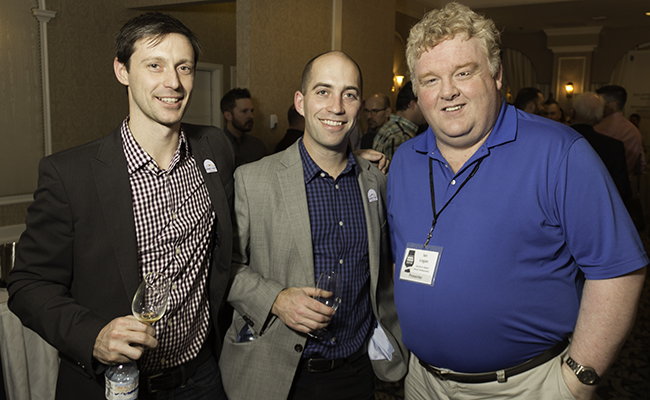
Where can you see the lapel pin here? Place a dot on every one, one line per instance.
(209, 166)
(372, 195)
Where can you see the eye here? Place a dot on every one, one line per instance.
(321, 92)
(185, 69)
(350, 96)
(154, 66)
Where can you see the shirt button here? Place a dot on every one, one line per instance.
(340, 223)
(341, 261)
(174, 216)
(446, 166)
(163, 361)
(336, 186)
(151, 166)
(298, 348)
(174, 286)
(169, 323)
(453, 181)
(178, 250)
(322, 174)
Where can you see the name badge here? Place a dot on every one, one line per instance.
(420, 264)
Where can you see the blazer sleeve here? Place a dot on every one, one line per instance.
(39, 285)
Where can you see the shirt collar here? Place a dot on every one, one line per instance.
(312, 170)
(137, 158)
(504, 130)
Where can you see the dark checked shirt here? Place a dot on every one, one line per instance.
(340, 242)
(173, 225)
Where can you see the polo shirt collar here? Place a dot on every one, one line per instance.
(504, 131)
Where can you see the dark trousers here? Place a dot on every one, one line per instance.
(204, 384)
(351, 381)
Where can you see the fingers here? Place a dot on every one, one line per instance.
(122, 340)
(299, 311)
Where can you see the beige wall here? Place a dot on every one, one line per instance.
(87, 102)
(276, 40)
(21, 136)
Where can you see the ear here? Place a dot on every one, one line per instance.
(121, 72)
(413, 104)
(227, 115)
(499, 77)
(299, 102)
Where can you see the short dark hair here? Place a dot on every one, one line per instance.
(293, 115)
(306, 73)
(614, 93)
(405, 96)
(229, 100)
(154, 25)
(525, 96)
(551, 101)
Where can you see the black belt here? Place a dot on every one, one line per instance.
(501, 375)
(174, 377)
(324, 365)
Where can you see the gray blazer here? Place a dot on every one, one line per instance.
(273, 251)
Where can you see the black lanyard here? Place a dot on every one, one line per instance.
(433, 195)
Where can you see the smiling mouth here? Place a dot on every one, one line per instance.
(169, 100)
(453, 108)
(331, 123)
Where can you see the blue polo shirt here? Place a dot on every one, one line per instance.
(540, 213)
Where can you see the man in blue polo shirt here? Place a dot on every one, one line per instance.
(508, 234)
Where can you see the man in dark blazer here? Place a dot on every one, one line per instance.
(153, 195)
(587, 112)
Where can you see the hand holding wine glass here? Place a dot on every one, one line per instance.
(151, 298)
(328, 292)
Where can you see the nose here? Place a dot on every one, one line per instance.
(171, 79)
(335, 105)
(448, 90)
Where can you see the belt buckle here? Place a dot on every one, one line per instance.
(440, 374)
(310, 369)
(149, 388)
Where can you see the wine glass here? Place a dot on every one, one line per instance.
(328, 292)
(150, 300)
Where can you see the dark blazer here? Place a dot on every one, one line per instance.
(612, 152)
(77, 262)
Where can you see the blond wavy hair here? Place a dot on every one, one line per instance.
(452, 20)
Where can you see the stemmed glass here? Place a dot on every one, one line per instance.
(151, 298)
(328, 292)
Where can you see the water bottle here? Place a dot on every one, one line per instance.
(122, 381)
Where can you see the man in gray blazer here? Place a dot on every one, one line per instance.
(312, 208)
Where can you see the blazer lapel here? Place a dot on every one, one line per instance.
(214, 181)
(116, 205)
(367, 184)
(292, 187)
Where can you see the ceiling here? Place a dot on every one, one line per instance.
(528, 16)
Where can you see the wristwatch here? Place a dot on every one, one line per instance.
(586, 375)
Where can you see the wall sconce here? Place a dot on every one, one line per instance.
(399, 79)
(569, 89)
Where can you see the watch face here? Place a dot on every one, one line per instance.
(588, 377)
